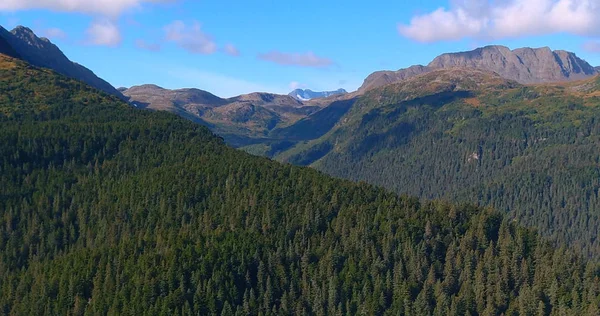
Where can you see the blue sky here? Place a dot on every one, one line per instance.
(234, 47)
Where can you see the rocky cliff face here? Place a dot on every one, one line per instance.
(42, 52)
(524, 65)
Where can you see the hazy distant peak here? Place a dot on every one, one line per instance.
(307, 94)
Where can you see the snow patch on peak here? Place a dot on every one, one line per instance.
(307, 94)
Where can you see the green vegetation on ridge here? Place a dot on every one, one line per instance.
(467, 135)
(107, 209)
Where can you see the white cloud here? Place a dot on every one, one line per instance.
(505, 19)
(54, 33)
(295, 85)
(231, 50)
(190, 38)
(141, 44)
(104, 7)
(103, 33)
(308, 59)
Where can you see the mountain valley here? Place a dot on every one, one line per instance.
(470, 186)
(107, 208)
(240, 120)
(469, 135)
(512, 138)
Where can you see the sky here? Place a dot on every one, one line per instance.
(232, 47)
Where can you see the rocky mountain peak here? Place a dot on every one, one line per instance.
(42, 52)
(23, 31)
(26, 35)
(524, 65)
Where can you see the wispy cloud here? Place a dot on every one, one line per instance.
(190, 37)
(103, 7)
(231, 50)
(103, 33)
(54, 33)
(296, 85)
(504, 19)
(141, 44)
(220, 84)
(308, 59)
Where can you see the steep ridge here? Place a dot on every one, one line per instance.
(470, 135)
(524, 65)
(7, 49)
(109, 209)
(382, 78)
(43, 53)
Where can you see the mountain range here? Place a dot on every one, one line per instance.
(377, 134)
(106, 208)
(239, 119)
(281, 121)
(307, 94)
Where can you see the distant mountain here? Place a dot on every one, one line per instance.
(237, 119)
(307, 94)
(524, 65)
(42, 52)
(158, 98)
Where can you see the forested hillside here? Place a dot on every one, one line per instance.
(468, 135)
(107, 209)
